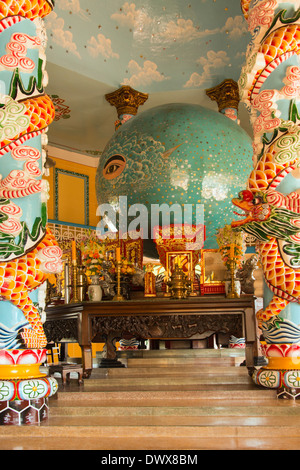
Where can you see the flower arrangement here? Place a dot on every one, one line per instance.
(127, 268)
(232, 245)
(92, 255)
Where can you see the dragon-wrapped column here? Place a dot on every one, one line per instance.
(269, 86)
(29, 253)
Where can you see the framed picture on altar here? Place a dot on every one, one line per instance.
(111, 248)
(133, 251)
(212, 272)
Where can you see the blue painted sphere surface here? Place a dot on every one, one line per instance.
(177, 153)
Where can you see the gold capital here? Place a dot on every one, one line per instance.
(126, 100)
(226, 94)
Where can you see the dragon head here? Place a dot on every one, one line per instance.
(254, 205)
(265, 215)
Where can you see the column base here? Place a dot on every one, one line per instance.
(285, 381)
(25, 401)
(24, 412)
(108, 363)
(291, 393)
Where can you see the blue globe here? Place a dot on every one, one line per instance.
(177, 154)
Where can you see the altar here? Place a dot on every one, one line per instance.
(163, 318)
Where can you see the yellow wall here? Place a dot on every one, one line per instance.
(74, 350)
(71, 194)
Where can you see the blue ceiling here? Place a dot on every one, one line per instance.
(173, 50)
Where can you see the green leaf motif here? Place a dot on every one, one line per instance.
(9, 246)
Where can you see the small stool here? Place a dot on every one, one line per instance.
(65, 369)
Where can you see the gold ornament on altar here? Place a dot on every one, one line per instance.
(232, 294)
(185, 241)
(232, 247)
(179, 284)
(118, 297)
(149, 279)
(75, 298)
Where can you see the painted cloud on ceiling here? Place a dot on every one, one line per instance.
(101, 45)
(59, 35)
(144, 75)
(146, 45)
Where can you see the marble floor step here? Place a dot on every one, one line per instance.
(139, 442)
(213, 353)
(166, 384)
(143, 437)
(142, 444)
(167, 381)
(168, 370)
(153, 388)
(183, 361)
(169, 420)
(158, 397)
(204, 408)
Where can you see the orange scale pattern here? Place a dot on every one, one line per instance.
(41, 113)
(28, 8)
(17, 279)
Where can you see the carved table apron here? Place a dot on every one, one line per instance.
(108, 321)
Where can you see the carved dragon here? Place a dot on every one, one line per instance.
(272, 217)
(28, 256)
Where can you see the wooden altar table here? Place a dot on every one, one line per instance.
(165, 318)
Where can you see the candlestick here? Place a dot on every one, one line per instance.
(233, 294)
(118, 255)
(166, 281)
(67, 290)
(118, 296)
(81, 286)
(232, 250)
(75, 299)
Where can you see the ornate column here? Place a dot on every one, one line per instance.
(127, 101)
(29, 253)
(269, 85)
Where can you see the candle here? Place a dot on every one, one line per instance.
(231, 251)
(73, 250)
(118, 255)
(67, 291)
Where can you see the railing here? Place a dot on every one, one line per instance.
(64, 232)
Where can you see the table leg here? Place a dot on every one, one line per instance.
(109, 358)
(251, 339)
(87, 360)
